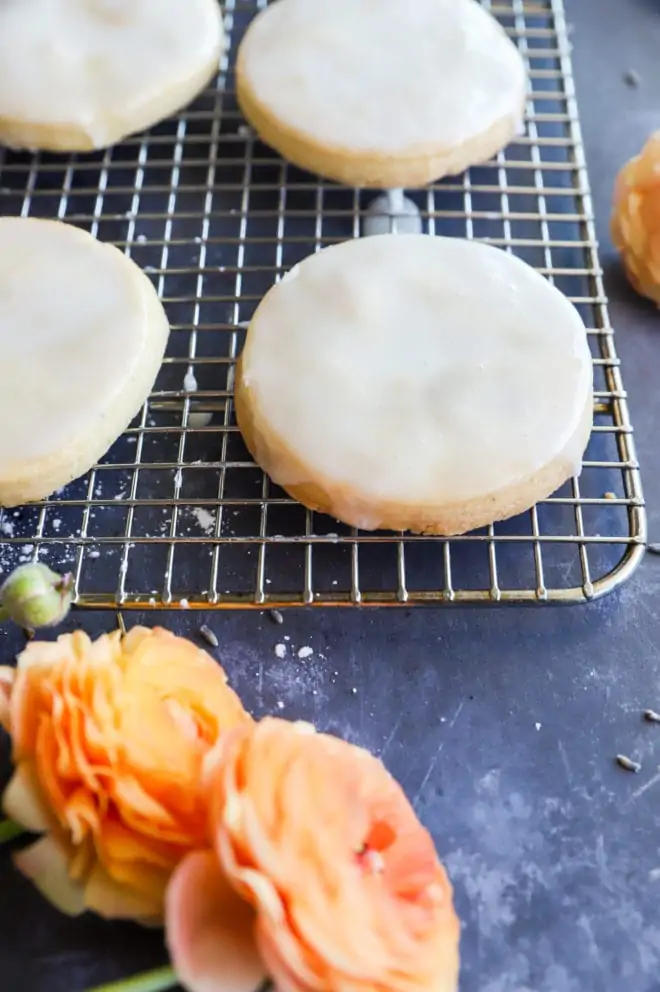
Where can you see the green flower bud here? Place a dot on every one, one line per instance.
(34, 596)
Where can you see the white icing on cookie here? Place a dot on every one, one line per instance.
(383, 75)
(101, 68)
(82, 336)
(418, 371)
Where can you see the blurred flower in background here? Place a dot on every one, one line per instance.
(636, 219)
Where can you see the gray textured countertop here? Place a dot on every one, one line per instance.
(502, 724)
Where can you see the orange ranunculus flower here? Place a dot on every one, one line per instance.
(636, 219)
(108, 741)
(343, 889)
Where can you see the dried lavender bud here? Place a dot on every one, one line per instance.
(208, 636)
(625, 762)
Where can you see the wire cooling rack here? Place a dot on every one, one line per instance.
(177, 514)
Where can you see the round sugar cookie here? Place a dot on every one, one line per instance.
(76, 75)
(381, 93)
(82, 337)
(409, 382)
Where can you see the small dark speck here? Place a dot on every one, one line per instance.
(652, 716)
(632, 78)
(208, 636)
(276, 616)
(654, 549)
(627, 763)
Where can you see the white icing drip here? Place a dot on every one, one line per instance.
(291, 274)
(417, 368)
(392, 213)
(199, 418)
(190, 381)
(382, 75)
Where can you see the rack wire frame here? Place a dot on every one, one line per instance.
(177, 514)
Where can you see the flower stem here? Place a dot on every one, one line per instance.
(9, 830)
(148, 981)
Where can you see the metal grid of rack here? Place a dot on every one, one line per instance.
(177, 514)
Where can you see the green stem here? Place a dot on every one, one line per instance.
(9, 830)
(149, 981)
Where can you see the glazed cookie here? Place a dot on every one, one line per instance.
(381, 93)
(82, 337)
(417, 383)
(76, 75)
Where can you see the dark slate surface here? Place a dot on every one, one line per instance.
(502, 724)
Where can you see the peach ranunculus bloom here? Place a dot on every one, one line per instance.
(320, 875)
(636, 219)
(108, 741)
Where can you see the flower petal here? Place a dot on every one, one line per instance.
(210, 929)
(7, 679)
(46, 865)
(23, 802)
(113, 901)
